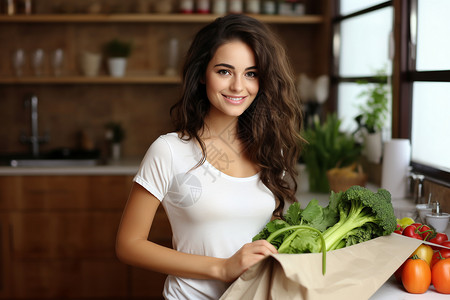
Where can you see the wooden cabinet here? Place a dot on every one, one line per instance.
(57, 236)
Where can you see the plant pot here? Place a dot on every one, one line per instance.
(373, 147)
(117, 66)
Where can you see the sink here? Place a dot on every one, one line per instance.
(61, 157)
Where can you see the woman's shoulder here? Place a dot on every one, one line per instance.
(173, 141)
(173, 138)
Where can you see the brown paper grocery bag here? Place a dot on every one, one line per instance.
(355, 272)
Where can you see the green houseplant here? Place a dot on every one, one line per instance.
(117, 52)
(375, 110)
(373, 114)
(327, 147)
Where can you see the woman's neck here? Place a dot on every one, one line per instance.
(221, 126)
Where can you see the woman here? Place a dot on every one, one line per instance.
(228, 168)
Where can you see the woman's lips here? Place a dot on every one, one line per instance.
(234, 99)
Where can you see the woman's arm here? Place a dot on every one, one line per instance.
(132, 246)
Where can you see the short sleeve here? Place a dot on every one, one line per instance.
(155, 171)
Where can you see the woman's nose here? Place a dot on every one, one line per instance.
(236, 84)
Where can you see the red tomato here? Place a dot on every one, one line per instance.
(439, 255)
(438, 239)
(440, 276)
(416, 276)
(417, 225)
(399, 229)
(425, 232)
(411, 231)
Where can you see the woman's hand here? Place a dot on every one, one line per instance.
(246, 257)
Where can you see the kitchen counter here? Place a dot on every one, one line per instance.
(127, 166)
(390, 289)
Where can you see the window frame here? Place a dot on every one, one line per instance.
(405, 74)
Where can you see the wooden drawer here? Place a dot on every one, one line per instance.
(69, 279)
(56, 235)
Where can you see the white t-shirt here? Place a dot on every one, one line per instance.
(210, 213)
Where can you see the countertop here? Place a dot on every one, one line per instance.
(128, 166)
(390, 289)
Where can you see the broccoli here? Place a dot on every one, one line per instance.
(351, 217)
(363, 215)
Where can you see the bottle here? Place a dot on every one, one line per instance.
(236, 7)
(187, 6)
(203, 7)
(10, 7)
(24, 7)
(219, 7)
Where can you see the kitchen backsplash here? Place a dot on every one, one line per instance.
(65, 110)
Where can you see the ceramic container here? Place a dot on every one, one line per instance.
(438, 221)
(423, 210)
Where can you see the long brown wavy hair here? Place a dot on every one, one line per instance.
(269, 128)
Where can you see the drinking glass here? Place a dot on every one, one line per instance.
(18, 61)
(37, 61)
(57, 61)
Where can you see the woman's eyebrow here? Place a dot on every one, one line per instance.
(232, 67)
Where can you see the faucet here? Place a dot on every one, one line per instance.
(34, 139)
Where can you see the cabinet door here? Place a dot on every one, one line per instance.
(58, 235)
(109, 192)
(66, 254)
(5, 261)
(69, 279)
(51, 192)
(10, 191)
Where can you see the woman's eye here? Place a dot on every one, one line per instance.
(252, 74)
(223, 72)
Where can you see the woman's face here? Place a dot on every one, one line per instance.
(232, 79)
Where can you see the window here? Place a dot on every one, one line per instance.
(361, 47)
(429, 73)
(361, 43)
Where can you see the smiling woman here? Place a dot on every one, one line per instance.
(231, 80)
(228, 168)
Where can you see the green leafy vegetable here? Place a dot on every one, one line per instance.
(363, 215)
(351, 217)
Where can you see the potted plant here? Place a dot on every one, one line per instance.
(373, 115)
(115, 134)
(326, 148)
(117, 52)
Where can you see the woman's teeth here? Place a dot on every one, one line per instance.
(235, 99)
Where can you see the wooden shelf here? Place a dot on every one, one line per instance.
(91, 80)
(150, 18)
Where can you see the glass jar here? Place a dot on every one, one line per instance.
(219, 7)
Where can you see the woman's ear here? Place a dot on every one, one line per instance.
(202, 80)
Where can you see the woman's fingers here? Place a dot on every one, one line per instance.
(246, 257)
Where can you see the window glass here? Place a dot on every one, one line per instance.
(350, 6)
(431, 124)
(348, 107)
(348, 104)
(433, 35)
(365, 43)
